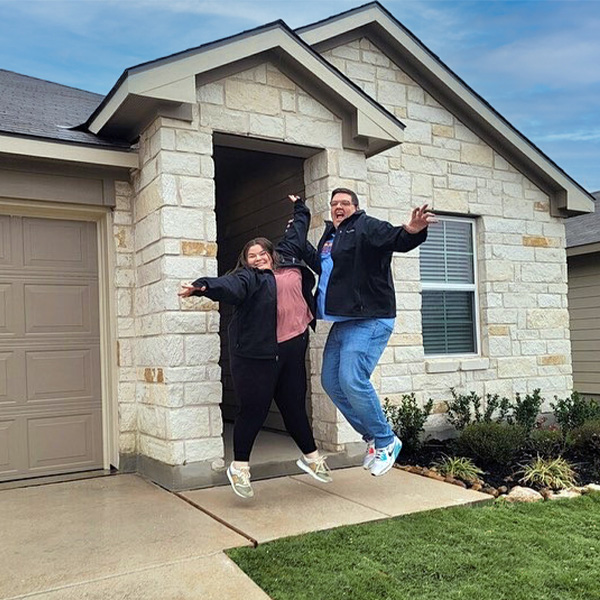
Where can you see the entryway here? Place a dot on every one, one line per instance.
(251, 201)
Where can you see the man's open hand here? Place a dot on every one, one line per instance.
(420, 218)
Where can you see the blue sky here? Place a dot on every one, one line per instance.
(536, 62)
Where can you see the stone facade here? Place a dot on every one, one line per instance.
(520, 248)
(165, 233)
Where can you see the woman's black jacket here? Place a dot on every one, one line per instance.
(253, 326)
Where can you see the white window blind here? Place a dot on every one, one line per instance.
(449, 310)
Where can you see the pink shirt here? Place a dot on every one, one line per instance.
(293, 314)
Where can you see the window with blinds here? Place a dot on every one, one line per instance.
(449, 309)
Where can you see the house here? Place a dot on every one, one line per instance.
(583, 262)
(108, 204)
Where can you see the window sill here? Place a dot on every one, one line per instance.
(450, 366)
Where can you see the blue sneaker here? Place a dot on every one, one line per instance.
(385, 458)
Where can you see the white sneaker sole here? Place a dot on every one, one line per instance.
(308, 470)
(234, 490)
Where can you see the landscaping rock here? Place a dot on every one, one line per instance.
(565, 494)
(591, 487)
(459, 483)
(502, 489)
(491, 491)
(546, 493)
(476, 487)
(523, 494)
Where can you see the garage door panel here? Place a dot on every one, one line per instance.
(12, 379)
(57, 245)
(10, 439)
(7, 321)
(60, 374)
(63, 442)
(53, 308)
(5, 241)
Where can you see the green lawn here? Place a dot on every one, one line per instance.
(542, 551)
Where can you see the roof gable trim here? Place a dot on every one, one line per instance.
(174, 80)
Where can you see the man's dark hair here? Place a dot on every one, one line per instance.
(350, 193)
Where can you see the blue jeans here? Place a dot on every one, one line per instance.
(351, 354)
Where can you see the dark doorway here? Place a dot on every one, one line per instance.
(251, 201)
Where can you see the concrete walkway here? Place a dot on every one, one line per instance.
(122, 537)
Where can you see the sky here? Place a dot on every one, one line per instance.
(537, 62)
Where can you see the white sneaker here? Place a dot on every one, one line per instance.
(369, 458)
(385, 458)
(240, 481)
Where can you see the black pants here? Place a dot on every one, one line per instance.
(258, 381)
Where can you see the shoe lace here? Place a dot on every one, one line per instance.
(321, 465)
(243, 474)
(381, 454)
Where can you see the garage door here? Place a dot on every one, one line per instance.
(50, 398)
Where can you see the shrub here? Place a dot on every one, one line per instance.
(574, 411)
(408, 420)
(458, 467)
(491, 443)
(554, 473)
(545, 442)
(465, 409)
(585, 439)
(526, 410)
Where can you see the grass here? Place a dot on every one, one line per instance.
(546, 551)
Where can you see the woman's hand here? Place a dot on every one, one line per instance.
(420, 218)
(293, 198)
(188, 290)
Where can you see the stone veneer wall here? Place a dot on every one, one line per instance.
(170, 387)
(520, 247)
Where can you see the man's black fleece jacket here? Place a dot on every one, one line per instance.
(361, 283)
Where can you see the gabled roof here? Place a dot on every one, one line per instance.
(169, 84)
(584, 229)
(400, 45)
(42, 109)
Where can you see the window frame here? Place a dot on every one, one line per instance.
(438, 286)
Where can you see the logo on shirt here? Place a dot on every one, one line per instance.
(326, 249)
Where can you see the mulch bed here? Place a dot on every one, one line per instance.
(496, 480)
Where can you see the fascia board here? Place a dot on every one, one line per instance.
(67, 152)
(577, 200)
(111, 107)
(584, 249)
(175, 80)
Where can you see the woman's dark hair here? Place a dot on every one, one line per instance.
(265, 244)
(350, 193)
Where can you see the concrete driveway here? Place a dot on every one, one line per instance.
(121, 537)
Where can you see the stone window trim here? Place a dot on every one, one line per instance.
(459, 364)
(473, 287)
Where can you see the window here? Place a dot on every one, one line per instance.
(449, 310)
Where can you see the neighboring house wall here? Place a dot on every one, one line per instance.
(584, 309)
(522, 289)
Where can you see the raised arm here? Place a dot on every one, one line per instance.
(294, 238)
(233, 288)
(295, 243)
(403, 238)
